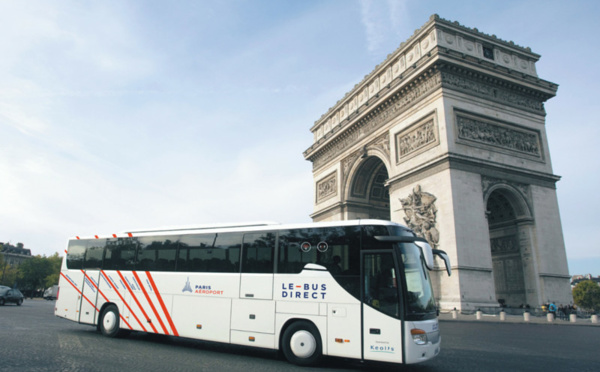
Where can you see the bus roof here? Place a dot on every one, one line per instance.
(241, 227)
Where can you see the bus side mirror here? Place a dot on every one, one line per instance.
(427, 252)
(444, 257)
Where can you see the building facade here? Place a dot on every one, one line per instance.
(448, 136)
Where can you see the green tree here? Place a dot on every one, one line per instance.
(33, 273)
(586, 295)
(8, 274)
(55, 263)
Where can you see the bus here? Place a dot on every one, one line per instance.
(354, 289)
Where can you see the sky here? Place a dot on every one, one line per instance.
(117, 115)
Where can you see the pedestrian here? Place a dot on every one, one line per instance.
(552, 309)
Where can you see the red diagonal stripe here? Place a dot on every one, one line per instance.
(124, 302)
(137, 301)
(77, 289)
(105, 299)
(162, 304)
(150, 302)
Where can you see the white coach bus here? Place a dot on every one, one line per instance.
(354, 289)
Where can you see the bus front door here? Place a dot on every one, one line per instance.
(382, 327)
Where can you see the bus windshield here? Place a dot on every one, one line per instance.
(420, 301)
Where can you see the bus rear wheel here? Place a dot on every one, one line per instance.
(109, 321)
(301, 344)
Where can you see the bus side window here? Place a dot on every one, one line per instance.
(226, 253)
(258, 250)
(120, 254)
(75, 254)
(157, 253)
(94, 254)
(195, 252)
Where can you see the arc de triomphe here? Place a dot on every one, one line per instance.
(448, 136)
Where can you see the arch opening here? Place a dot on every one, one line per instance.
(367, 196)
(503, 213)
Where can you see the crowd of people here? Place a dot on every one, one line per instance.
(561, 311)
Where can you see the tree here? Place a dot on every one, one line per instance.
(33, 273)
(55, 262)
(586, 295)
(8, 273)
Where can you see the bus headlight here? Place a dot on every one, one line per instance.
(419, 336)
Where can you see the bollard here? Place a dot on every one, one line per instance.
(502, 315)
(594, 318)
(454, 314)
(550, 317)
(573, 318)
(478, 315)
(526, 316)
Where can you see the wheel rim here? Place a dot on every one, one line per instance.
(110, 321)
(303, 344)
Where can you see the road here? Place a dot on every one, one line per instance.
(32, 339)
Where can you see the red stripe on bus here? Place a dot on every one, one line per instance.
(123, 300)
(162, 304)
(150, 302)
(105, 299)
(137, 301)
(77, 289)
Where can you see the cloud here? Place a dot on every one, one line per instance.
(380, 20)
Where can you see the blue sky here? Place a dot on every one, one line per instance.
(117, 115)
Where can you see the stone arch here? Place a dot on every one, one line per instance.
(508, 215)
(366, 194)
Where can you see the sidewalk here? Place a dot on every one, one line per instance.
(447, 316)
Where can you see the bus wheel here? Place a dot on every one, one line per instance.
(301, 344)
(109, 321)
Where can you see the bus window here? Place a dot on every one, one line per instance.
(120, 254)
(75, 254)
(381, 283)
(226, 255)
(194, 252)
(157, 253)
(258, 250)
(218, 253)
(94, 254)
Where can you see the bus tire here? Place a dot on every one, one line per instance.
(110, 322)
(301, 343)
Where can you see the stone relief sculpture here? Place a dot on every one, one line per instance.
(327, 187)
(420, 210)
(496, 135)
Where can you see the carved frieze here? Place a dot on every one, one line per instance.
(486, 132)
(495, 92)
(327, 187)
(420, 215)
(417, 138)
(378, 118)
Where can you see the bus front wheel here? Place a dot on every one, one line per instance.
(301, 343)
(109, 321)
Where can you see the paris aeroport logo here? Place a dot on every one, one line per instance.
(200, 289)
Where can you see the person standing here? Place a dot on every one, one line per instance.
(552, 309)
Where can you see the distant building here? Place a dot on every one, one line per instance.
(575, 279)
(14, 255)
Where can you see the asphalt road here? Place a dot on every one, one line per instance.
(32, 339)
